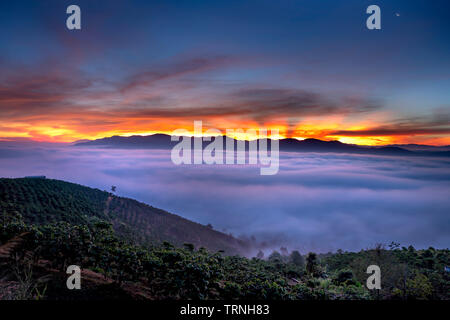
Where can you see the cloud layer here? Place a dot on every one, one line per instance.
(316, 202)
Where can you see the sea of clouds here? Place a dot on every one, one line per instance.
(318, 202)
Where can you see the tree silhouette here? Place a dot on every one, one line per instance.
(297, 259)
(260, 255)
(311, 263)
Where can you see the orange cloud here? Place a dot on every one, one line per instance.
(70, 106)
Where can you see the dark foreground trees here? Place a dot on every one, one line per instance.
(36, 264)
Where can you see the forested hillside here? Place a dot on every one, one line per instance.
(41, 201)
(47, 225)
(33, 261)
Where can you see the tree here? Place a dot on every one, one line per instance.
(393, 270)
(311, 263)
(189, 247)
(394, 245)
(419, 287)
(297, 259)
(344, 275)
(260, 255)
(275, 256)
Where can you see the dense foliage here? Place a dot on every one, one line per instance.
(41, 201)
(167, 272)
(37, 244)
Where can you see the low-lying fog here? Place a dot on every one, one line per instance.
(316, 202)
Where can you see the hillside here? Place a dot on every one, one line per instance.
(47, 225)
(42, 201)
(34, 258)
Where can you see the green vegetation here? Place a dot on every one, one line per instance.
(34, 254)
(42, 201)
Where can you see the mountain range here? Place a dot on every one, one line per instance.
(163, 141)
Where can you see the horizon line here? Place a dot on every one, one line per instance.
(31, 140)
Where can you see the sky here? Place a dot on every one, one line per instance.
(308, 68)
(316, 202)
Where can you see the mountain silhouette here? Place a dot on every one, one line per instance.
(163, 141)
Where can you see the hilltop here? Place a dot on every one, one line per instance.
(42, 201)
